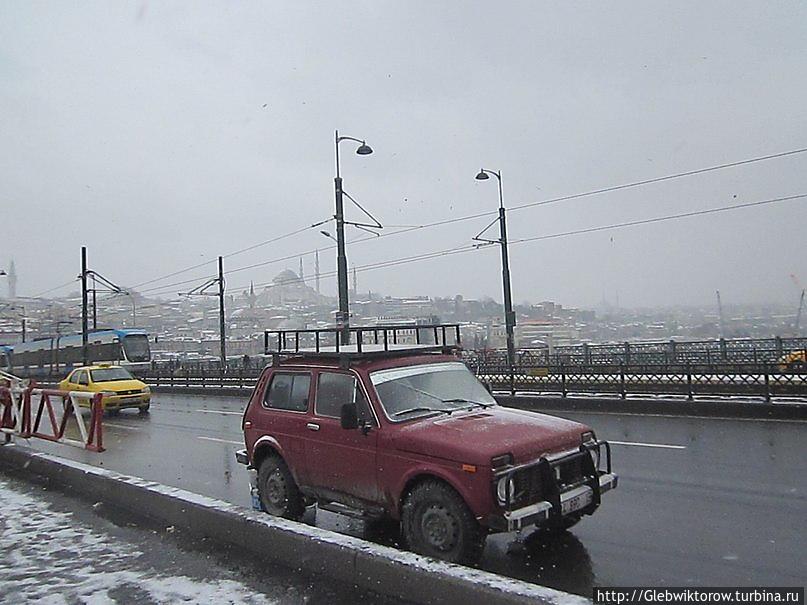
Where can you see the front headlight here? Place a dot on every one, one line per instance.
(506, 486)
(588, 437)
(147, 390)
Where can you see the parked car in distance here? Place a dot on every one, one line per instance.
(795, 361)
(120, 389)
(411, 435)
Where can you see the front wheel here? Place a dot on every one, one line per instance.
(438, 523)
(144, 409)
(278, 491)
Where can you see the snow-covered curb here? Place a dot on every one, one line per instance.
(310, 549)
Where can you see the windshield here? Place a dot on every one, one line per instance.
(110, 375)
(438, 387)
(136, 347)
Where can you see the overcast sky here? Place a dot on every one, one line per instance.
(161, 134)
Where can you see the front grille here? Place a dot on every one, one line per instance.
(570, 473)
(132, 392)
(528, 487)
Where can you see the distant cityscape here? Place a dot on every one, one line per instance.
(187, 328)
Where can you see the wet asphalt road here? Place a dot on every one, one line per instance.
(701, 502)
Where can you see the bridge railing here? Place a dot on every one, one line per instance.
(758, 380)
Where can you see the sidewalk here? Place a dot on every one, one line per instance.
(56, 550)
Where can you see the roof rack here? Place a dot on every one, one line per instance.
(375, 341)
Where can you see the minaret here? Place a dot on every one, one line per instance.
(316, 269)
(302, 279)
(12, 280)
(355, 283)
(251, 295)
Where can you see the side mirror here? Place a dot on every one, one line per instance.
(348, 417)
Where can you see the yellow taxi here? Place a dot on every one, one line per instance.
(120, 388)
(795, 361)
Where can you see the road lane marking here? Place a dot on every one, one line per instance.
(221, 440)
(121, 426)
(639, 444)
(220, 412)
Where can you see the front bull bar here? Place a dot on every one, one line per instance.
(553, 497)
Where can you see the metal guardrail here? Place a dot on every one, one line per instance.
(621, 380)
(758, 351)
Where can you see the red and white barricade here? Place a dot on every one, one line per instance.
(52, 415)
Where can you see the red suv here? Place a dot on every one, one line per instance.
(410, 434)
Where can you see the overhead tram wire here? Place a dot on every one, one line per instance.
(592, 229)
(659, 179)
(484, 214)
(474, 247)
(241, 251)
(64, 285)
(659, 219)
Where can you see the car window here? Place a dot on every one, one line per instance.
(334, 390)
(82, 377)
(73, 379)
(288, 392)
(110, 375)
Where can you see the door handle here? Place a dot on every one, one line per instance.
(311, 426)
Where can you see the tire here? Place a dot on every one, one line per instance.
(144, 409)
(438, 523)
(112, 411)
(798, 367)
(278, 492)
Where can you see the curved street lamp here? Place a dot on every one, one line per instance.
(343, 317)
(509, 314)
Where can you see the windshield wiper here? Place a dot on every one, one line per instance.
(420, 409)
(461, 400)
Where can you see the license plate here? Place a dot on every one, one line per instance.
(573, 504)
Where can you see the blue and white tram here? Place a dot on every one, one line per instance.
(52, 356)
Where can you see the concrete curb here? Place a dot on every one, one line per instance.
(342, 558)
(663, 407)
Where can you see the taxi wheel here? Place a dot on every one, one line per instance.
(112, 412)
(278, 491)
(144, 409)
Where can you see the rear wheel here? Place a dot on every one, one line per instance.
(438, 523)
(278, 491)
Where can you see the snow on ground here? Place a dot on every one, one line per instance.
(48, 556)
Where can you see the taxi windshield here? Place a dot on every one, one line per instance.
(110, 375)
(430, 388)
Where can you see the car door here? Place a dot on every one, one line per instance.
(82, 380)
(341, 462)
(282, 415)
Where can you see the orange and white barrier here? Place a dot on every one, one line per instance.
(30, 413)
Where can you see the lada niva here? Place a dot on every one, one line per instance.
(410, 434)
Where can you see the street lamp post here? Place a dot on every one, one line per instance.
(509, 314)
(84, 327)
(343, 318)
